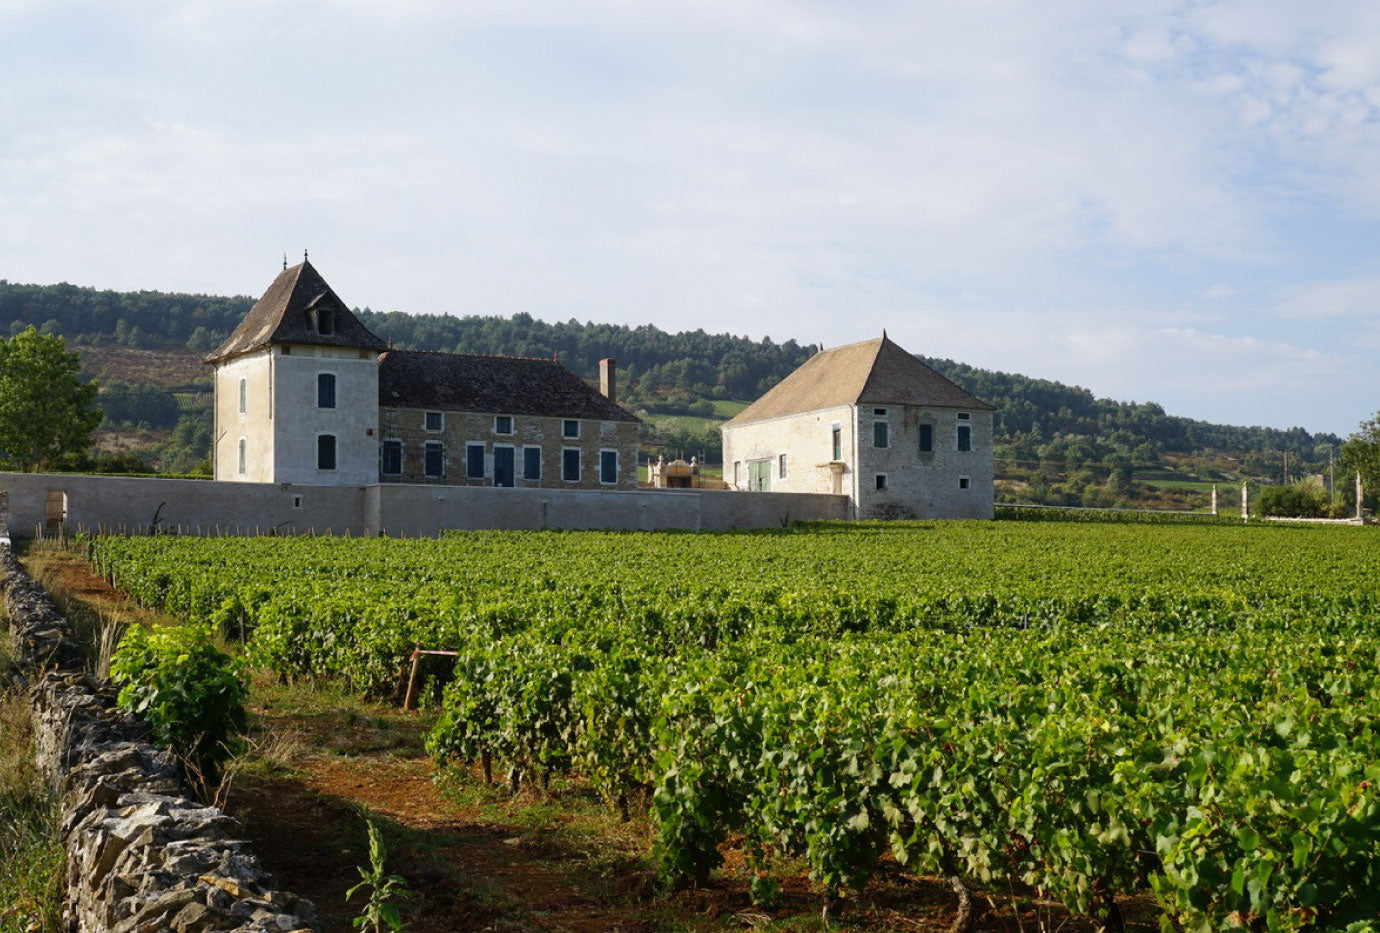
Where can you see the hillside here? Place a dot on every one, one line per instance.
(145, 348)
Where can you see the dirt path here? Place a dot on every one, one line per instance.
(465, 875)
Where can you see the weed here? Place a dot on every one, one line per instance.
(379, 911)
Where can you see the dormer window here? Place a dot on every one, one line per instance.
(323, 321)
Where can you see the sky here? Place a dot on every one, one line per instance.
(1175, 202)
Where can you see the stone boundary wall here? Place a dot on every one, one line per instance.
(141, 854)
(203, 507)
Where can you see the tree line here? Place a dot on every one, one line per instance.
(659, 371)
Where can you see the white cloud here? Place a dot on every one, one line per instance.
(1332, 299)
(1217, 377)
(790, 168)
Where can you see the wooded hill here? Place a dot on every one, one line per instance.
(1038, 420)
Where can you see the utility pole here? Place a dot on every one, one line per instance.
(1331, 478)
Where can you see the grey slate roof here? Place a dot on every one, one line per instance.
(872, 372)
(284, 315)
(500, 385)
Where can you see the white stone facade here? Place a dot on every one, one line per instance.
(283, 421)
(898, 480)
(243, 441)
(806, 440)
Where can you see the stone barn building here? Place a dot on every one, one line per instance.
(305, 394)
(872, 422)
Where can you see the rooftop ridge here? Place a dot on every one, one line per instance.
(855, 343)
(484, 356)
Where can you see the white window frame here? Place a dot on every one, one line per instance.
(525, 477)
(569, 421)
(483, 460)
(441, 421)
(836, 449)
(335, 452)
(579, 465)
(512, 426)
(427, 446)
(608, 450)
(402, 456)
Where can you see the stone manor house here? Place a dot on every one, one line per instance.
(320, 426)
(305, 394)
(871, 422)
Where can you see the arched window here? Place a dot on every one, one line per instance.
(242, 462)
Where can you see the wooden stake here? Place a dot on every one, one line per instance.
(412, 678)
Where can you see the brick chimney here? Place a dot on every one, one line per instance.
(607, 376)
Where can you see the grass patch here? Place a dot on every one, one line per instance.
(32, 856)
(325, 719)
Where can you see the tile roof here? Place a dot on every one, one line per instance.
(501, 385)
(875, 372)
(284, 315)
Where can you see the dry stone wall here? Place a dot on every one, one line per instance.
(142, 855)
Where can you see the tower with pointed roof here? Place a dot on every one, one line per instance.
(306, 395)
(296, 387)
(872, 422)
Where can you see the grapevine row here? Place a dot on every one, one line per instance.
(1089, 710)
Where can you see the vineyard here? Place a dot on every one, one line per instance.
(1090, 710)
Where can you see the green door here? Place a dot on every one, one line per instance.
(759, 475)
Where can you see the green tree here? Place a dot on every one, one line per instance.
(46, 411)
(1297, 500)
(1361, 454)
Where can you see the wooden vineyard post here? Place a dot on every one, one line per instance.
(412, 678)
(409, 698)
